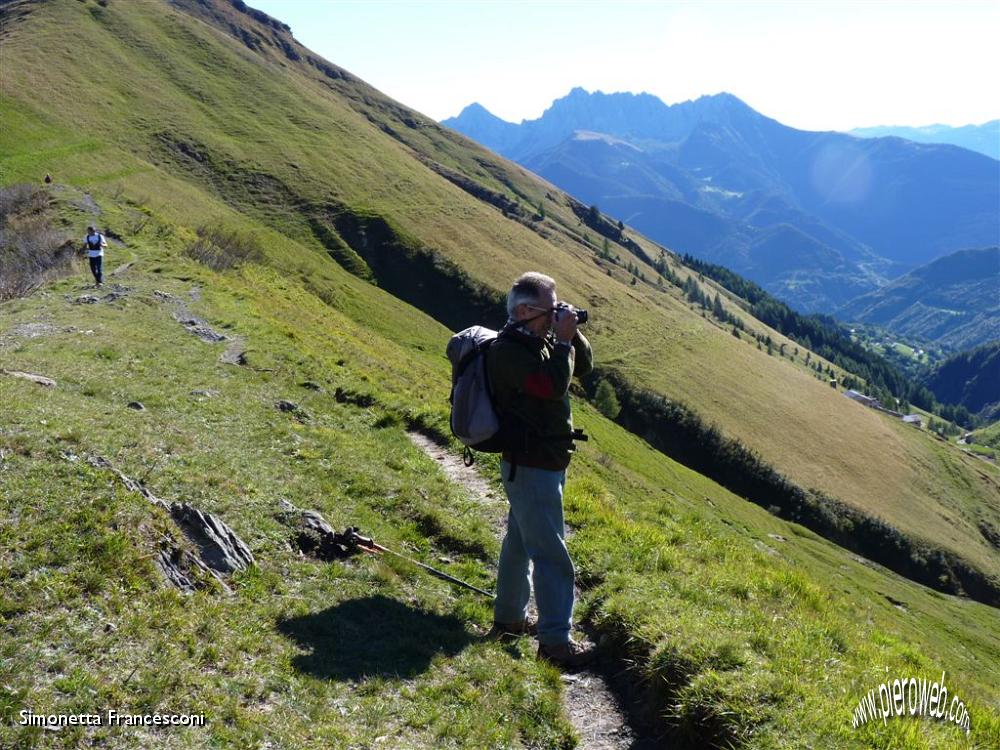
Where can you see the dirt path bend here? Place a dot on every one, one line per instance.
(478, 488)
(593, 709)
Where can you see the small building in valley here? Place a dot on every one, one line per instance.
(863, 399)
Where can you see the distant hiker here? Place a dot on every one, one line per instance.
(95, 244)
(530, 367)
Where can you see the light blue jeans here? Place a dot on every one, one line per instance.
(535, 532)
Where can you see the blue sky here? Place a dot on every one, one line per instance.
(812, 65)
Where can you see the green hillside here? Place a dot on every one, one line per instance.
(424, 212)
(970, 379)
(266, 664)
(742, 628)
(953, 302)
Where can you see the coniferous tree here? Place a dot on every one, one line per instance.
(606, 400)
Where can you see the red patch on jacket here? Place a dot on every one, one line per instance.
(539, 385)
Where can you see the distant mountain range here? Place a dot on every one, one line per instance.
(983, 138)
(815, 218)
(953, 301)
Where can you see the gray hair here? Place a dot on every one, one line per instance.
(528, 289)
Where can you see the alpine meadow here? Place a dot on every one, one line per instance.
(289, 252)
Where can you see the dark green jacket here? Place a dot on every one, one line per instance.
(530, 380)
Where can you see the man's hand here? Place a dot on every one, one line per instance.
(565, 326)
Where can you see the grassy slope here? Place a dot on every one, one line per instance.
(671, 560)
(989, 435)
(328, 150)
(76, 547)
(236, 455)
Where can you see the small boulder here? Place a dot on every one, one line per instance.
(115, 294)
(39, 379)
(206, 333)
(235, 354)
(221, 549)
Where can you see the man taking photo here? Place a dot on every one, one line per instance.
(529, 369)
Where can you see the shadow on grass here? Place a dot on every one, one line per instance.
(373, 637)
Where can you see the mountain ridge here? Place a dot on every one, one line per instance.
(953, 301)
(881, 207)
(612, 112)
(984, 138)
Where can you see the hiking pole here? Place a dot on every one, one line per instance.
(370, 545)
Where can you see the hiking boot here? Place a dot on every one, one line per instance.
(507, 630)
(569, 655)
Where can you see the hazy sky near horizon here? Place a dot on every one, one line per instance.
(811, 65)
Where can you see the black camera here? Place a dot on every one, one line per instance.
(581, 315)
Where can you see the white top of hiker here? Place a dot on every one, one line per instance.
(95, 243)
